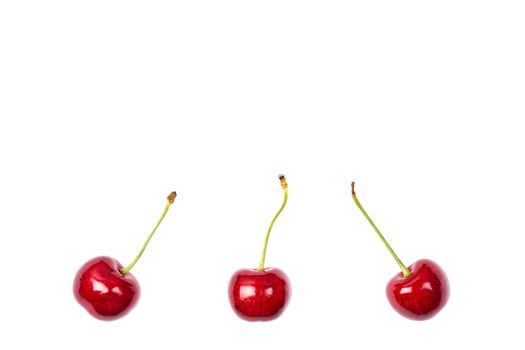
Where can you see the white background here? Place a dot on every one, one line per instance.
(107, 106)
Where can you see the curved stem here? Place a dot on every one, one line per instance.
(171, 198)
(406, 272)
(284, 185)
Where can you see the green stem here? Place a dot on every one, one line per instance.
(406, 272)
(171, 198)
(284, 185)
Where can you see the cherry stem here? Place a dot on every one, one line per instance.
(406, 272)
(170, 198)
(284, 185)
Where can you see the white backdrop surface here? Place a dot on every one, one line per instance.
(107, 106)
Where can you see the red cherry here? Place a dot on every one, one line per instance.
(259, 295)
(421, 295)
(418, 292)
(105, 288)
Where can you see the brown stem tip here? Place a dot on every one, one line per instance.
(171, 197)
(284, 185)
(353, 191)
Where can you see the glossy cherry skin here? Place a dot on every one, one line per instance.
(259, 296)
(422, 294)
(103, 291)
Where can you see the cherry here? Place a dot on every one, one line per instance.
(102, 289)
(105, 288)
(418, 292)
(261, 294)
(422, 294)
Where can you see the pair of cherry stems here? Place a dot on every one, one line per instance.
(284, 185)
